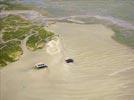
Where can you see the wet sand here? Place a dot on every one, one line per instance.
(103, 69)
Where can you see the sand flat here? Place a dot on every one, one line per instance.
(103, 68)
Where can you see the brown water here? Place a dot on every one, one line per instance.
(102, 70)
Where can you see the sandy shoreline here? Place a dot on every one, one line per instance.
(97, 73)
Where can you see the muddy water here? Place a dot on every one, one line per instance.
(102, 70)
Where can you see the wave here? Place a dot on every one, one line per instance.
(34, 15)
(111, 19)
(120, 71)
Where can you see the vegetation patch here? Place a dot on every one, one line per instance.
(13, 29)
(37, 41)
(17, 34)
(10, 52)
(13, 22)
(33, 42)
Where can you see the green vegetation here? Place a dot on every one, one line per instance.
(10, 52)
(13, 29)
(12, 21)
(19, 34)
(42, 32)
(34, 41)
(38, 40)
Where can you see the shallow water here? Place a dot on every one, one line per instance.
(121, 9)
(102, 70)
